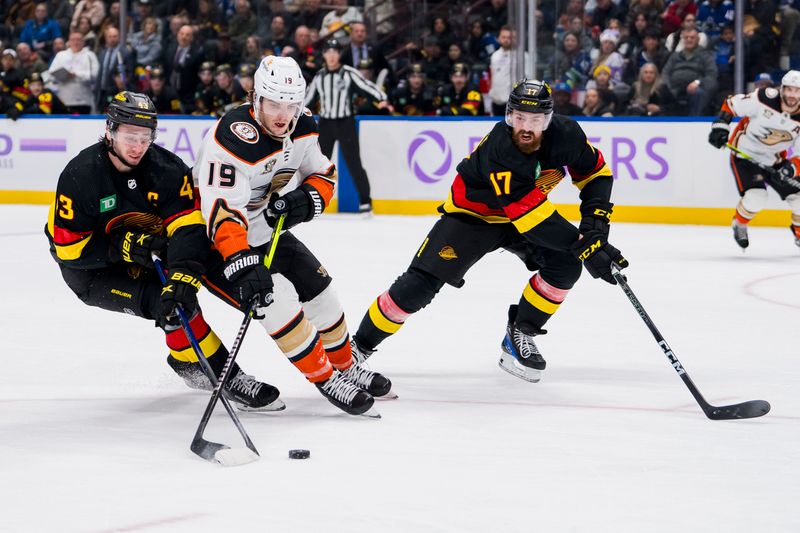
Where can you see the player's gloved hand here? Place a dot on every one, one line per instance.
(250, 278)
(597, 255)
(181, 289)
(718, 137)
(784, 171)
(135, 247)
(595, 216)
(299, 205)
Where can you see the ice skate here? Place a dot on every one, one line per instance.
(796, 234)
(520, 356)
(247, 393)
(740, 234)
(379, 386)
(348, 397)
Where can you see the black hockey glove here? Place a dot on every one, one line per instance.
(784, 172)
(135, 247)
(595, 216)
(181, 289)
(250, 278)
(299, 205)
(597, 255)
(718, 137)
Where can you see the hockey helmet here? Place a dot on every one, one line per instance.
(132, 108)
(332, 43)
(791, 79)
(279, 79)
(530, 96)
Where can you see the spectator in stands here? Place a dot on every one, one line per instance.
(59, 44)
(176, 22)
(85, 29)
(94, 9)
(562, 100)
(674, 43)
(18, 14)
(252, 50)
(434, 65)
(221, 51)
(691, 75)
(275, 8)
(38, 101)
(336, 23)
(228, 92)
(303, 52)
(311, 15)
(789, 18)
(649, 96)
(11, 76)
(573, 64)
(441, 29)
(115, 57)
(713, 15)
(673, 16)
(763, 81)
(182, 62)
(279, 38)
(29, 61)
(723, 50)
(500, 73)
(652, 51)
(40, 31)
(246, 74)
(242, 25)
(495, 16)
(577, 26)
(360, 48)
(607, 55)
(112, 19)
(455, 54)
(413, 97)
(74, 69)
(762, 47)
(204, 92)
(604, 11)
(651, 9)
(61, 11)
(163, 96)
(144, 9)
(595, 106)
(384, 14)
(612, 92)
(147, 43)
(208, 22)
(459, 98)
(481, 44)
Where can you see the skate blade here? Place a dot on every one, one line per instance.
(372, 413)
(388, 396)
(511, 366)
(277, 405)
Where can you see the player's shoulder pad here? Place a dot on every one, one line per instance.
(239, 134)
(88, 162)
(565, 131)
(306, 125)
(165, 161)
(769, 96)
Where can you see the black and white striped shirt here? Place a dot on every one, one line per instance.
(335, 90)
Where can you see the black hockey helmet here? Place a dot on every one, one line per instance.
(131, 108)
(530, 96)
(332, 43)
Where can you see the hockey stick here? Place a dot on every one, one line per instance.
(232, 456)
(794, 182)
(750, 409)
(206, 449)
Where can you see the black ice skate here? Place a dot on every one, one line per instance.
(520, 356)
(346, 396)
(740, 234)
(374, 383)
(245, 391)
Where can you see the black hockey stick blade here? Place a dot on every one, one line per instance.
(751, 409)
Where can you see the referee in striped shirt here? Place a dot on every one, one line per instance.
(334, 87)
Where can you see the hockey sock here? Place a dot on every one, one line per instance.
(300, 342)
(336, 342)
(383, 319)
(539, 301)
(181, 349)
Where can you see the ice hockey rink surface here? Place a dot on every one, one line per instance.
(95, 428)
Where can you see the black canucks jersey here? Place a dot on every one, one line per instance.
(94, 200)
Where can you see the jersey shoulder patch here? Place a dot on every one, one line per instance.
(240, 135)
(770, 97)
(306, 125)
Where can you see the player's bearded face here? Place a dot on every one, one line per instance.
(131, 142)
(528, 129)
(790, 96)
(276, 116)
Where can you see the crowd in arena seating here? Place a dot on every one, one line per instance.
(602, 57)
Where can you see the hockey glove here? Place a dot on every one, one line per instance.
(597, 256)
(784, 172)
(595, 216)
(181, 289)
(250, 278)
(135, 247)
(299, 205)
(718, 136)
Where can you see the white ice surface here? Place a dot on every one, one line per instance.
(95, 428)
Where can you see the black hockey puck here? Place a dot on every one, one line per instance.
(299, 454)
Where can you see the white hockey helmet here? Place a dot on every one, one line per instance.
(279, 79)
(791, 79)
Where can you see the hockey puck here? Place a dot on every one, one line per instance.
(299, 454)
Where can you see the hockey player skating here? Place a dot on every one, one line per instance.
(499, 200)
(770, 126)
(260, 161)
(116, 202)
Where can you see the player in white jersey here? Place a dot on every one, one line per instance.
(769, 128)
(260, 161)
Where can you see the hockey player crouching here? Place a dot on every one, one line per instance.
(263, 160)
(770, 126)
(116, 202)
(498, 200)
